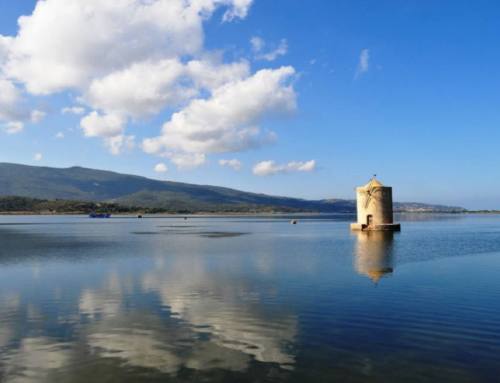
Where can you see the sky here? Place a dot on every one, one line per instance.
(285, 97)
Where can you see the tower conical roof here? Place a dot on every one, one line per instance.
(373, 183)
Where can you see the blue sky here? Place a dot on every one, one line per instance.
(421, 110)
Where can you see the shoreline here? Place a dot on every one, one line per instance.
(235, 213)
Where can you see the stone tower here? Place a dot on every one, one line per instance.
(374, 205)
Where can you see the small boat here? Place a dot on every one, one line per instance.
(99, 215)
(293, 221)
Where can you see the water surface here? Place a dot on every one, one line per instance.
(249, 300)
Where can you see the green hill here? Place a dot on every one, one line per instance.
(83, 184)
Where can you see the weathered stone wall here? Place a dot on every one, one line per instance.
(379, 206)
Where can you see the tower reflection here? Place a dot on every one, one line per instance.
(373, 254)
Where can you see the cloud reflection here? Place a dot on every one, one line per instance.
(137, 348)
(203, 321)
(226, 309)
(34, 360)
(104, 302)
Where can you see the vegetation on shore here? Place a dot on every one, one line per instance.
(25, 205)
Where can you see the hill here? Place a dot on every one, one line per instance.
(91, 185)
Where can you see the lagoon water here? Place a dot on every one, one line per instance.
(249, 300)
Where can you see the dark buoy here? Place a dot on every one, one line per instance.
(293, 221)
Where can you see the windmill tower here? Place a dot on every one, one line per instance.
(374, 205)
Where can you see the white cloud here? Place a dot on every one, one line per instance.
(211, 74)
(10, 97)
(111, 128)
(266, 168)
(12, 110)
(258, 45)
(364, 63)
(228, 120)
(78, 110)
(141, 89)
(110, 36)
(13, 127)
(233, 163)
(161, 168)
(119, 143)
(5, 45)
(38, 156)
(238, 10)
(96, 125)
(145, 88)
(187, 160)
(59, 135)
(37, 116)
(129, 59)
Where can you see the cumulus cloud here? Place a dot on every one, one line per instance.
(13, 127)
(111, 128)
(145, 88)
(121, 32)
(10, 97)
(228, 120)
(132, 64)
(38, 156)
(59, 135)
(37, 116)
(117, 144)
(258, 46)
(9, 94)
(364, 63)
(239, 9)
(78, 110)
(210, 74)
(5, 43)
(161, 168)
(134, 59)
(257, 43)
(233, 163)
(13, 110)
(141, 89)
(187, 160)
(97, 125)
(267, 168)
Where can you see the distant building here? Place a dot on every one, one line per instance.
(374, 206)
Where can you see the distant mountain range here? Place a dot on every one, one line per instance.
(83, 184)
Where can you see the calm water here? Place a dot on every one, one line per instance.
(249, 300)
